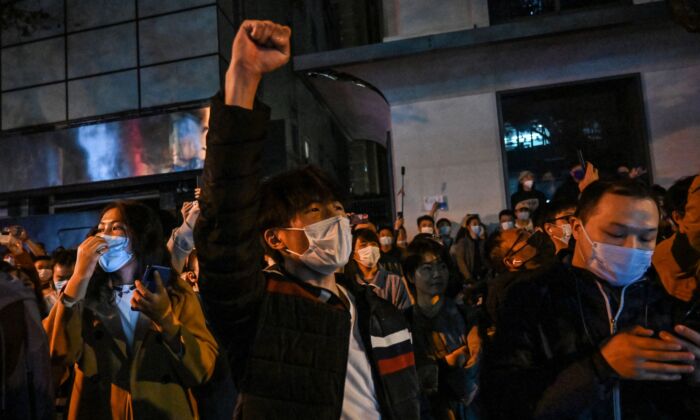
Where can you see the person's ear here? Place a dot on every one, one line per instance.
(273, 241)
(548, 228)
(678, 220)
(576, 226)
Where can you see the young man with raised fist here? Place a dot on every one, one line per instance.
(303, 343)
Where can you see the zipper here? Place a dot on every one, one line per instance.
(617, 408)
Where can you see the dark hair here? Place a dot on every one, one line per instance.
(41, 258)
(366, 234)
(590, 197)
(425, 217)
(145, 235)
(491, 249)
(506, 212)
(551, 209)
(64, 257)
(420, 246)
(472, 217)
(443, 220)
(286, 194)
(385, 227)
(677, 196)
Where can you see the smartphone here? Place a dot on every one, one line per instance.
(581, 160)
(358, 218)
(149, 277)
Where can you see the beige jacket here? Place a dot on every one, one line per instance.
(148, 382)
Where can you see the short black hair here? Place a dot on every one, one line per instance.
(64, 257)
(590, 197)
(506, 212)
(385, 227)
(472, 217)
(677, 196)
(551, 209)
(41, 258)
(284, 195)
(366, 234)
(419, 247)
(425, 217)
(444, 220)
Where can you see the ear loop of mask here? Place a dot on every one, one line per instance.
(558, 238)
(287, 249)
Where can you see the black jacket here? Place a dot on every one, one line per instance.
(545, 361)
(287, 340)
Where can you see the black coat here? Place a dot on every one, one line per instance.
(287, 341)
(545, 361)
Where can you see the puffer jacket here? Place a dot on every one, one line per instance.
(545, 363)
(287, 341)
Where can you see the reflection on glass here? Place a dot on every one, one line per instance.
(109, 151)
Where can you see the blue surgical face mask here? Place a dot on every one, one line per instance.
(445, 230)
(117, 255)
(618, 265)
(476, 229)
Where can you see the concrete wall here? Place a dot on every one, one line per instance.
(445, 120)
(449, 147)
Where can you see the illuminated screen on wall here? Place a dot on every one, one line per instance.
(153, 145)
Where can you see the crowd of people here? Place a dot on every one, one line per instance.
(266, 302)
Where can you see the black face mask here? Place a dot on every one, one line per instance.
(685, 255)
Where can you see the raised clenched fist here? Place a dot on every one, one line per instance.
(260, 47)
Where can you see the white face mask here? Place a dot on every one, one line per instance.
(618, 265)
(523, 215)
(330, 244)
(117, 255)
(386, 240)
(369, 256)
(476, 229)
(59, 284)
(528, 184)
(45, 274)
(566, 234)
(427, 230)
(507, 225)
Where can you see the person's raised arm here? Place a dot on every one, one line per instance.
(226, 237)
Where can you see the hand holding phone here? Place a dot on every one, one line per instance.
(149, 277)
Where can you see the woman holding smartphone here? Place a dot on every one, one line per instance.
(136, 352)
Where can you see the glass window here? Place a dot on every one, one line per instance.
(33, 63)
(152, 7)
(501, 11)
(102, 50)
(40, 105)
(34, 19)
(179, 82)
(102, 94)
(179, 35)
(84, 14)
(544, 128)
